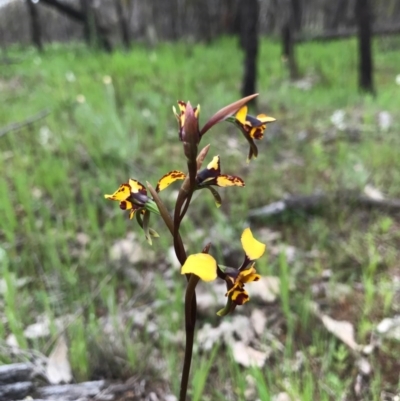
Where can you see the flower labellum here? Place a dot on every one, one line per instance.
(252, 128)
(132, 196)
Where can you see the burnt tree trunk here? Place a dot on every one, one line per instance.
(334, 14)
(87, 23)
(287, 32)
(297, 10)
(36, 33)
(249, 11)
(123, 22)
(365, 65)
(102, 32)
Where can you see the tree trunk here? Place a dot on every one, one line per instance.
(288, 53)
(123, 23)
(334, 14)
(288, 28)
(249, 41)
(87, 26)
(365, 65)
(297, 10)
(35, 25)
(77, 15)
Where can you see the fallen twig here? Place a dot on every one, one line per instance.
(15, 391)
(16, 372)
(29, 121)
(346, 33)
(310, 203)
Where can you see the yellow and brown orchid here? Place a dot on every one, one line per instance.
(206, 178)
(191, 128)
(252, 128)
(132, 196)
(206, 267)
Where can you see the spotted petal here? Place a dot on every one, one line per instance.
(248, 275)
(127, 205)
(238, 295)
(224, 180)
(167, 179)
(202, 265)
(136, 187)
(253, 248)
(122, 193)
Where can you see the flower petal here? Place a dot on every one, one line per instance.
(265, 119)
(210, 173)
(126, 205)
(122, 193)
(229, 307)
(253, 248)
(136, 187)
(224, 180)
(215, 164)
(202, 265)
(167, 179)
(146, 228)
(241, 115)
(238, 295)
(216, 195)
(248, 275)
(253, 152)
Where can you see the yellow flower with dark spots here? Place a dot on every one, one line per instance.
(205, 178)
(207, 269)
(237, 293)
(132, 196)
(167, 179)
(252, 128)
(211, 175)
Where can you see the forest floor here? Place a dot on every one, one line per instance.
(80, 287)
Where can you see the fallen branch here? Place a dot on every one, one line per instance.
(71, 391)
(15, 391)
(16, 372)
(16, 384)
(346, 33)
(311, 203)
(29, 121)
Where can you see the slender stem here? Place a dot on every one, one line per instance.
(190, 322)
(181, 254)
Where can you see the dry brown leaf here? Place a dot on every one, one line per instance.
(129, 249)
(259, 321)
(343, 330)
(248, 356)
(373, 192)
(283, 397)
(390, 327)
(58, 369)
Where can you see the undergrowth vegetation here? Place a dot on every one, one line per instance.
(72, 262)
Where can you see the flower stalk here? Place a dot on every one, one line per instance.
(143, 201)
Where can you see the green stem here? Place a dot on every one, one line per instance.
(190, 322)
